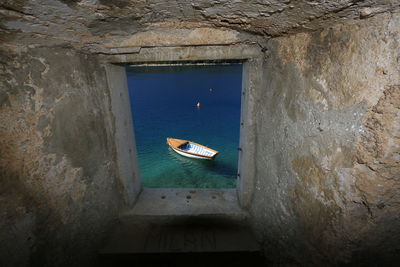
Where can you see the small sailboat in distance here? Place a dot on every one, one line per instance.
(191, 149)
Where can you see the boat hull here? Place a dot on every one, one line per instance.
(190, 155)
(191, 149)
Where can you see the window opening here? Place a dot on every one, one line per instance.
(198, 103)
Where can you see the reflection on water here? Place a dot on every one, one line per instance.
(210, 165)
(163, 102)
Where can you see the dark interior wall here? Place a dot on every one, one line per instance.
(58, 190)
(328, 146)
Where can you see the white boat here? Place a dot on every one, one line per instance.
(191, 149)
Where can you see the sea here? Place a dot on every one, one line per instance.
(164, 104)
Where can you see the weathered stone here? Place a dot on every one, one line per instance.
(326, 193)
(180, 37)
(56, 158)
(326, 127)
(83, 22)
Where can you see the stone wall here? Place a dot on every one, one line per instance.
(84, 22)
(327, 133)
(328, 144)
(58, 190)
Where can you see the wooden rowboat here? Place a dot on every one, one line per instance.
(191, 149)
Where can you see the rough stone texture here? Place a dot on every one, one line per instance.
(94, 21)
(57, 172)
(328, 140)
(327, 133)
(180, 37)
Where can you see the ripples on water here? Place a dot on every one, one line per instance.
(163, 103)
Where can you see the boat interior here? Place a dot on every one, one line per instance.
(190, 147)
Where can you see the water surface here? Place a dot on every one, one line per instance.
(163, 103)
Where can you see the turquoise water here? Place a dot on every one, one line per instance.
(163, 102)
